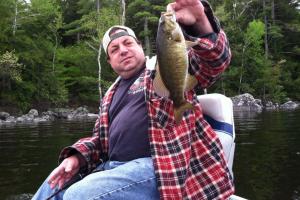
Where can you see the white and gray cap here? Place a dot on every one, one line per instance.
(108, 37)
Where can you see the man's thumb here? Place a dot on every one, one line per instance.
(68, 167)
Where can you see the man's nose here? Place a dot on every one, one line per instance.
(123, 49)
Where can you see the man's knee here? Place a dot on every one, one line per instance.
(75, 191)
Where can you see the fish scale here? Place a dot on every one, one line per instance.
(172, 62)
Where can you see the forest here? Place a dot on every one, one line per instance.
(50, 50)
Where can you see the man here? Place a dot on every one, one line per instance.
(136, 152)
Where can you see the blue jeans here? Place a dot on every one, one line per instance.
(134, 180)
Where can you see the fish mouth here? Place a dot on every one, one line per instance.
(170, 15)
(167, 16)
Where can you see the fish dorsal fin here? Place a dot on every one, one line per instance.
(190, 82)
(190, 44)
(158, 84)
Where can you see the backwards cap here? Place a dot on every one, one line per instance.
(108, 37)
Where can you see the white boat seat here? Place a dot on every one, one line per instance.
(218, 112)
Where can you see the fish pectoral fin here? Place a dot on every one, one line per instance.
(190, 82)
(158, 84)
(178, 111)
(190, 44)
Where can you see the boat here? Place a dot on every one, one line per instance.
(218, 112)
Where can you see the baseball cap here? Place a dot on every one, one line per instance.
(108, 37)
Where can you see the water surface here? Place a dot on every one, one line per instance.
(266, 165)
(30, 152)
(267, 156)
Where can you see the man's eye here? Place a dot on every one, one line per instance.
(113, 50)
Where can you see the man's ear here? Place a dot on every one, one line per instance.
(107, 59)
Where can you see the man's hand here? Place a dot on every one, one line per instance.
(191, 13)
(65, 171)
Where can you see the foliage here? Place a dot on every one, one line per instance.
(146, 15)
(9, 67)
(251, 71)
(49, 49)
(77, 73)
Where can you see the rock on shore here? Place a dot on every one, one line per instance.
(33, 115)
(246, 102)
(290, 105)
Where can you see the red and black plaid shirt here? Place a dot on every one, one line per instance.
(188, 157)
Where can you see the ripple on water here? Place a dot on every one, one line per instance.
(20, 197)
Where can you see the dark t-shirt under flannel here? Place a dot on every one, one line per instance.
(128, 121)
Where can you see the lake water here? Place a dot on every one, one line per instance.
(266, 165)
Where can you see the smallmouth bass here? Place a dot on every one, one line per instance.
(172, 63)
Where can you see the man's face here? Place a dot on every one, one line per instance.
(126, 56)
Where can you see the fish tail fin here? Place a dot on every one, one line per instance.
(178, 111)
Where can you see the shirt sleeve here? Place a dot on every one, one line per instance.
(93, 149)
(212, 55)
(209, 58)
(88, 147)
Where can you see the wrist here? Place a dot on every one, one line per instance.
(202, 25)
(81, 160)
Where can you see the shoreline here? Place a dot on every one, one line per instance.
(241, 103)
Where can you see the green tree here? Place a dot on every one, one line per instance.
(59, 43)
(36, 40)
(94, 20)
(266, 78)
(146, 15)
(10, 70)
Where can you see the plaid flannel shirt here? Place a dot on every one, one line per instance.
(187, 157)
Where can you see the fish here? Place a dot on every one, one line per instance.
(172, 63)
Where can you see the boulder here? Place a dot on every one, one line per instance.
(62, 113)
(25, 118)
(271, 106)
(81, 112)
(33, 113)
(10, 119)
(32, 117)
(246, 102)
(4, 115)
(258, 102)
(290, 105)
(50, 115)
